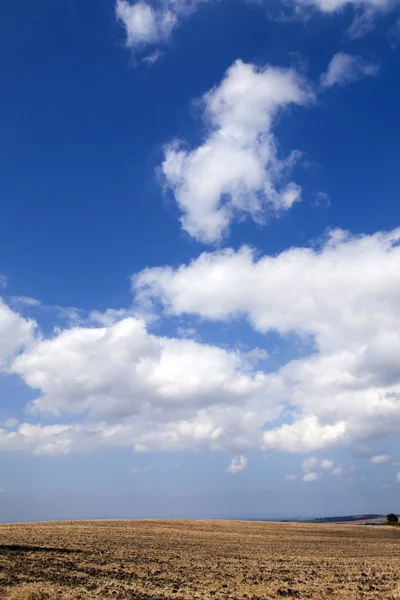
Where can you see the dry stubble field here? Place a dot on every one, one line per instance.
(149, 560)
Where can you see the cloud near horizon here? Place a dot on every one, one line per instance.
(118, 385)
(341, 296)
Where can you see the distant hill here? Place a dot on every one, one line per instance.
(350, 518)
(368, 519)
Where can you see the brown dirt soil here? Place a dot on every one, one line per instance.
(155, 560)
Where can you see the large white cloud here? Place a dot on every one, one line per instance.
(122, 370)
(123, 386)
(344, 296)
(341, 292)
(130, 388)
(236, 171)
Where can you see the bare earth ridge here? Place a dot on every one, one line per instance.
(148, 560)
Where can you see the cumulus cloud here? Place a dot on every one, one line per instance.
(344, 68)
(120, 369)
(290, 477)
(236, 171)
(316, 467)
(343, 295)
(237, 465)
(379, 459)
(128, 387)
(16, 333)
(124, 386)
(312, 464)
(143, 24)
(149, 23)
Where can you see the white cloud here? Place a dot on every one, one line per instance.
(148, 23)
(342, 296)
(305, 435)
(330, 292)
(379, 459)
(3, 281)
(106, 318)
(290, 477)
(321, 200)
(15, 333)
(257, 354)
(331, 6)
(25, 301)
(143, 24)
(186, 332)
(310, 464)
(237, 465)
(311, 477)
(398, 477)
(344, 68)
(118, 370)
(337, 471)
(126, 387)
(236, 172)
(363, 23)
(152, 58)
(135, 389)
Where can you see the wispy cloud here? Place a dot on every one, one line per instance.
(345, 68)
(337, 471)
(147, 23)
(379, 459)
(24, 301)
(137, 470)
(237, 465)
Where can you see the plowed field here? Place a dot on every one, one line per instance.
(148, 560)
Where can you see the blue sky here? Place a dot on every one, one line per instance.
(199, 258)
